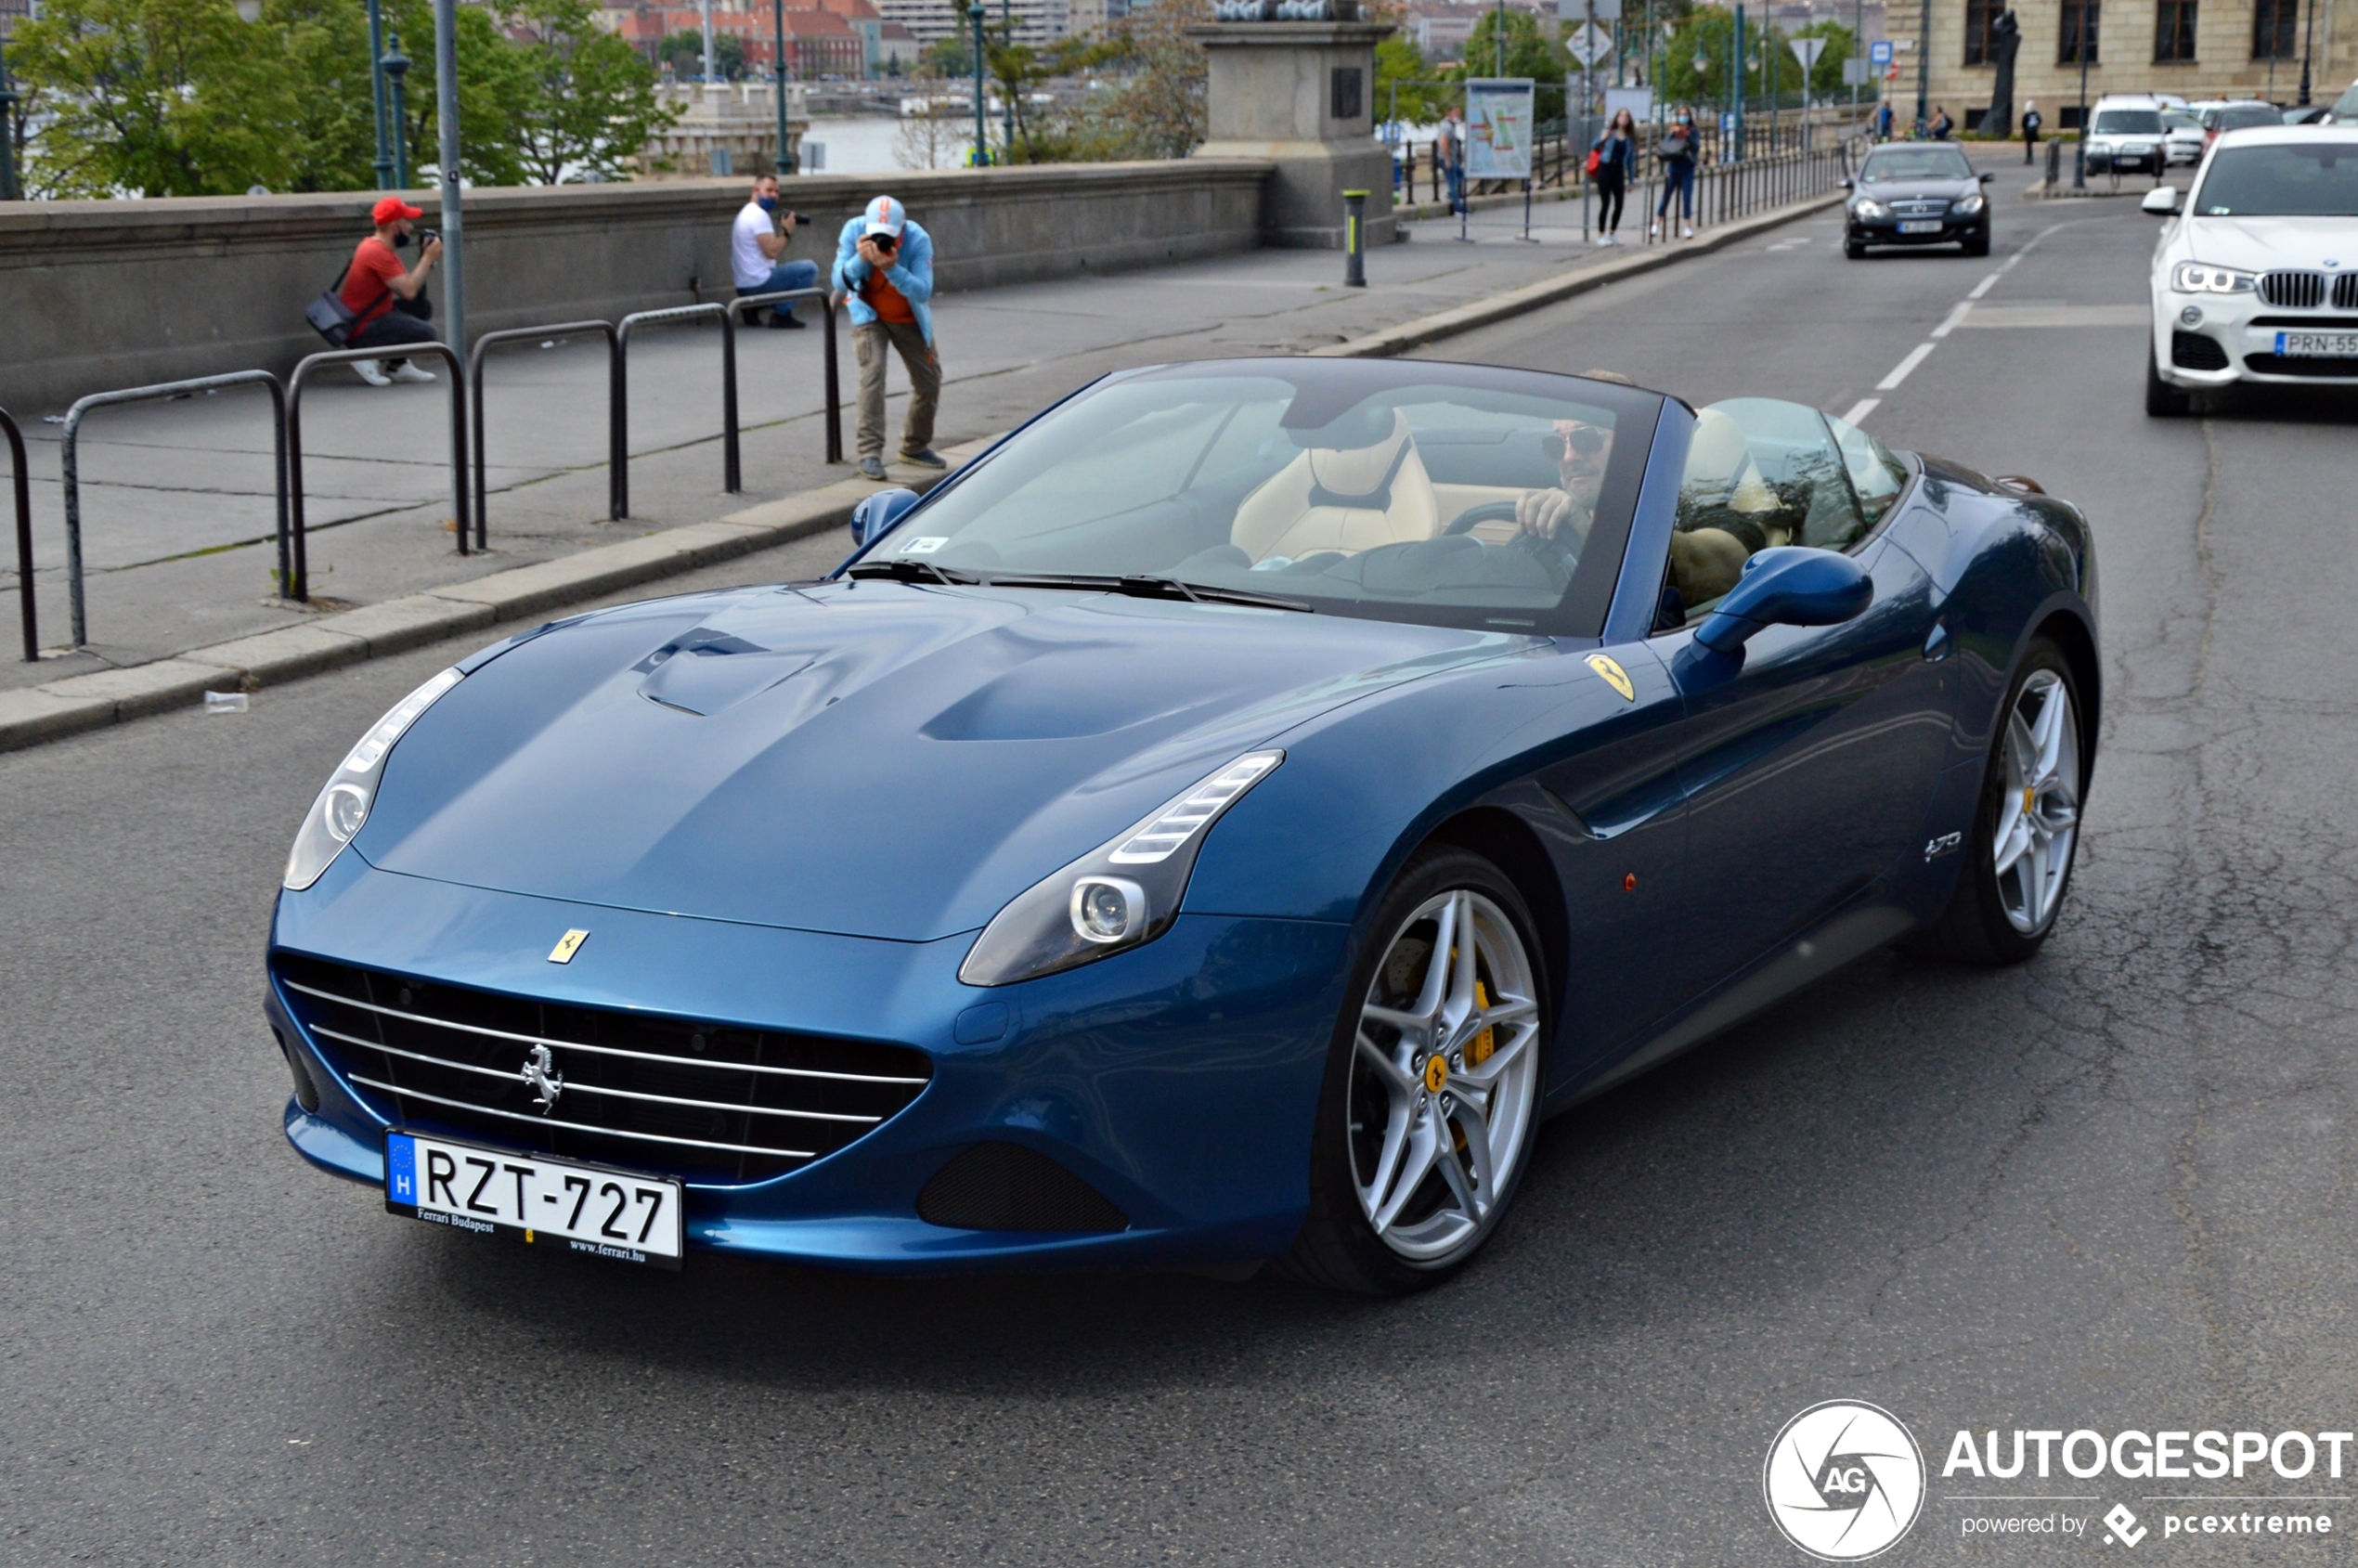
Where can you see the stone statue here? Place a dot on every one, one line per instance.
(2006, 37)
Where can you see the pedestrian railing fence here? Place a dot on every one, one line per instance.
(24, 535)
(70, 471)
(295, 579)
(466, 398)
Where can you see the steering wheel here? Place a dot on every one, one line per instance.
(1488, 512)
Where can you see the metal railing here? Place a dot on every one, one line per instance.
(827, 300)
(615, 455)
(294, 581)
(69, 467)
(24, 533)
(731, 478)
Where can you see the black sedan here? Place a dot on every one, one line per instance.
(1916, 194)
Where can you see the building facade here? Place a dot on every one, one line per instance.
(834, 38)
(2193, 49)
(1036, 21)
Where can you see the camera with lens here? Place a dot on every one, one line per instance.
(423, 236)
(887, 243)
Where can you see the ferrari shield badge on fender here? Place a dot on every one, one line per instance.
(1614, 676)
(567, 945)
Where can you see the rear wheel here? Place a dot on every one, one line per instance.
(2163, 401)
(2026, 827)
(1431, 1096)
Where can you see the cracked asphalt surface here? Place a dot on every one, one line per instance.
(2109, 1189)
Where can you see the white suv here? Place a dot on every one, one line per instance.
(2125, 133)
(2256, 277)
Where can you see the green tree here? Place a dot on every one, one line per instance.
(592, 104)
(1404, 79)
(1156, 109)
(1529, 52)
(684, 51)
(331, 140)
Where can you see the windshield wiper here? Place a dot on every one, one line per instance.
(905, 570)
(1147, 586)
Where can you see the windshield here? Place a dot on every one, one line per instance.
(1455, 495)
(2129, 122)
(1917, 163)
(2315, 179)
(2242, 117)
(2178, 119)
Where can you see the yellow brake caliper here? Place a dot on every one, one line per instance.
(1487, 1042)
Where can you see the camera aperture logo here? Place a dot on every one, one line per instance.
(1845, 1480)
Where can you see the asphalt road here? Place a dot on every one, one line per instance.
(2111, 1190)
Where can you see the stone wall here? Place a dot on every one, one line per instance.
(102, 294)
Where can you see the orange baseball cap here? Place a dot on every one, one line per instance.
(392, 208)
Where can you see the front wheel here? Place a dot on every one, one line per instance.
(1978, 246)
(1431, 1096)
(2163, 401)
(1853, 248)
(2027, 825)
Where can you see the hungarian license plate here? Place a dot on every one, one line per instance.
(2310, 345)
(1920, 225)
(619, 1214)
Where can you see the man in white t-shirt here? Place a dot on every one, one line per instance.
(756, 245)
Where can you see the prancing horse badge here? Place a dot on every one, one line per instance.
(1614, 676)
(567, 945)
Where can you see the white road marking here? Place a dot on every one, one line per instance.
(1983, 287)
(1900, 371)
(1955, 316)
(1860, 409)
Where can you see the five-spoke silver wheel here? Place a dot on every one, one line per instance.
(2038, 812)
(1444, 1076)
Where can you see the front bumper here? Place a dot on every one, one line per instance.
(2236, 342)
(1179, 1080)
(2105, 159)
(1885, 231)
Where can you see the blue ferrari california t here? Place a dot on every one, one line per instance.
(1218, 824)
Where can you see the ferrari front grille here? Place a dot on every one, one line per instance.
(2293, 290)
(708, 1102)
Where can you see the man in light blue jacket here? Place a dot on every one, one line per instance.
(884, 266)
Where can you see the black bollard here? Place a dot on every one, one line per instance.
(1355, 239)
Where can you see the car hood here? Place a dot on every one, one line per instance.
(2266, 244)
(868, 759)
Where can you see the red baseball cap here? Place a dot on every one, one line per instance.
(391, 208)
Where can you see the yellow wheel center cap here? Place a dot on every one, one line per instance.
(2030, 799)
(1436, 1073)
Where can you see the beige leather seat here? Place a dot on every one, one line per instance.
(1346, 500)
(1720, 470)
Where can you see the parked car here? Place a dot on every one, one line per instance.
(1916, 193)
(2125, 137)
(1217, 824)
(2182, 140)
(2345, 107)
(2255, 278)
(2309, 114)
(2241, 115)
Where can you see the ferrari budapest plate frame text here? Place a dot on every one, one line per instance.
(625, 1216)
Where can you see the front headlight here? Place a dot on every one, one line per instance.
(1866, 209)
(1969, 206)
(2196, 278)
(344, 805)
(1119, 895)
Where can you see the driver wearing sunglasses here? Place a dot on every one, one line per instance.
(1563, 513)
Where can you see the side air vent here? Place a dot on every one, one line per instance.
(2192, 351)
(1006, 1186)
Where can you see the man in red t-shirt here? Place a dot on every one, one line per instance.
(389, 299)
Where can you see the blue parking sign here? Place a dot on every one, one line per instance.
(1879, 53)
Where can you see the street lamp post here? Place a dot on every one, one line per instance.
(395, 66)
(982, 133)
(2308, 35)
(1924, 68)
(384, 161)
(1008, 41)
(786, 151)
(2080, 149)
(1736, 88)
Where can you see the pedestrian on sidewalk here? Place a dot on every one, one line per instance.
(1676, 151)
(2031, 124)
(1941, 123)
(387, 300)
(883, 264)
(757, 244)
(1449, 151)
(1882, 121)
(1615, 153)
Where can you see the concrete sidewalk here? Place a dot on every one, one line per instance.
(176, 504)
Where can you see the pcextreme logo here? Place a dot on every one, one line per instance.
(1844, 1480)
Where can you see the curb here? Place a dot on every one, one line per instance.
(30, 716)
(1564, 286)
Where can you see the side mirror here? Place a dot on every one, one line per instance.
(2162, 200)
(1791, 585)
(1985, 176)
(873, 518)
(1849, 184)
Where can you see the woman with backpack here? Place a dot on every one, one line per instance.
(1613, 161)
(1676, 151)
